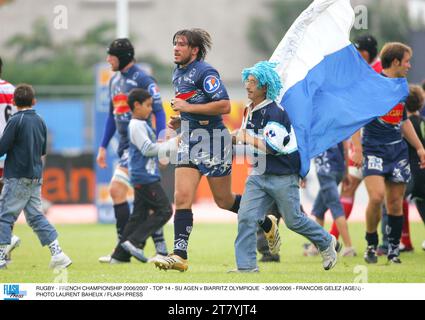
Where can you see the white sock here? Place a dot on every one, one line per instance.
(55, 248)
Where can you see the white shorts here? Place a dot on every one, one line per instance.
(122, 177)
(355, 172)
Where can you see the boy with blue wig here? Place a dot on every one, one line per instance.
(268, 130)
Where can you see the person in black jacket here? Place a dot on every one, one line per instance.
(416, 186)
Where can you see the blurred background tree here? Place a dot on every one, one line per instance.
(2, 2)
(40, 60)
(388, 20)
(265, 34)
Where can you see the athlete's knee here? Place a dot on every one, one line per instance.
(395, 205)
(183, 199)
(118, 192)
(376, 198)
(224, 202)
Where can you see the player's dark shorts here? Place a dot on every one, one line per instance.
(390, 161)
(416, 186)
(206, 147)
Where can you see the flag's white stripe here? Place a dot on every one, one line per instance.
(323, 28)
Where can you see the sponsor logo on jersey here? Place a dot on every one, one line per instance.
(192, 73)
(154, 91)
(120, 103)
(186, 95)
(271, 133)
(211, 84)
(132, 82)
(395, 116)
(375, 163)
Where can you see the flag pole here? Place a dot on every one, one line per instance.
(122, 18)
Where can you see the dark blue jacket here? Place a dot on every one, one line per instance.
(24, 142)
(270, 123)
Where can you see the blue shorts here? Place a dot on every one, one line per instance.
(328, 196)
(207, 148)
(390, 161)
(416, 186)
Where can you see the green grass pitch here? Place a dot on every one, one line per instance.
(211, 255)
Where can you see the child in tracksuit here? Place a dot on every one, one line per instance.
(332, 169)
(24, 142)
(152, 209)
(269, 130)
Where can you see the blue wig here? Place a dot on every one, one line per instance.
(266, 75)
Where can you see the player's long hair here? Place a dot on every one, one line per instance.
(266, 75)
(196, 38)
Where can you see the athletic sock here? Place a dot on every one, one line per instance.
(159, 241)
(237, 204)
(394, 227)
(122, 214)
(372, 239)
(347, 204)
(55, 248)
(420, 205)
(183, 224)
(266, 225)
(405, 235)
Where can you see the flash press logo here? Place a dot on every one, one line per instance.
(12, 292)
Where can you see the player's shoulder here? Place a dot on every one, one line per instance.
(275, 112)
(145, 80)
(41, 120)
(16, 117)
(209, 78)
(6, 87)
(274, 109)
(137, 123)
(139, 74)
(204, 68)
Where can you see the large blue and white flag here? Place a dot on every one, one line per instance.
(329, 91)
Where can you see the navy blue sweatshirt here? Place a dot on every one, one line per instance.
(24, 142)
(269, 122)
